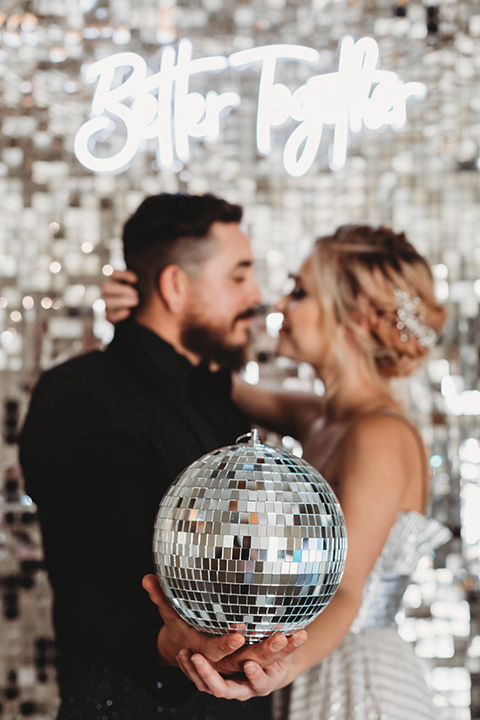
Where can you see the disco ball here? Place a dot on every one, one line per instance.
(249, 538)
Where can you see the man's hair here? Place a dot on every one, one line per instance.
(172, 229)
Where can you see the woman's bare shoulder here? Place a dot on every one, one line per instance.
(387, 425)
(381, 442)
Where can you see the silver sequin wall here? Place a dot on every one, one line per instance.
(59, 237)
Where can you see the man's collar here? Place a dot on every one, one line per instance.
(132, 338)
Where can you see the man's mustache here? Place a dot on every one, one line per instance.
(247, 314)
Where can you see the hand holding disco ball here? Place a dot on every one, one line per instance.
(249, 538)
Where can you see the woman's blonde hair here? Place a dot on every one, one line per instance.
(373, 283)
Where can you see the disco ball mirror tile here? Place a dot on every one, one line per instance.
(249, 538)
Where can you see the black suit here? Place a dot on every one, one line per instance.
(105, 436)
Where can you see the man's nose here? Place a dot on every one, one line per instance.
(255, 294)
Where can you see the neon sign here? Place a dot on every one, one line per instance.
(161, 107)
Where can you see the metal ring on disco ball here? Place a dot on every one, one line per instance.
(249, 538)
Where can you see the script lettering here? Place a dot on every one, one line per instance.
(162, 108)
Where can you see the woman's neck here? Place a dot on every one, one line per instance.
(356, 392)
(341, 409)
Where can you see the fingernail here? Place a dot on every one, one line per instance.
(249, 668)
(277, 646)
(198, 662)
(235, 644)
(297, 641)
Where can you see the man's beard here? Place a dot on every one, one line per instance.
(209, 344)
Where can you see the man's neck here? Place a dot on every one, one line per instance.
(167, 329)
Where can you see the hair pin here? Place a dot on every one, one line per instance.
(409, 319)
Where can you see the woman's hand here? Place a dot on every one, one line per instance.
(226, 653)
(255, 682)
(120, 295)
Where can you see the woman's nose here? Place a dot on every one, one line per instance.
(281, 304)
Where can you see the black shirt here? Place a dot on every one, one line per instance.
(105, 435)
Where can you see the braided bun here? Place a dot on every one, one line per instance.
(366, 278)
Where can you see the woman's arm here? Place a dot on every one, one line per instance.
(374, 472)
(375, 467)
(283, 411)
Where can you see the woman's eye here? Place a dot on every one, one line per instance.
(298, 293)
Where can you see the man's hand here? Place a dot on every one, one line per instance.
(226, 653)
(120, 295)
(177, 634)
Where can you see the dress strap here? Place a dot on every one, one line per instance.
(398, 416)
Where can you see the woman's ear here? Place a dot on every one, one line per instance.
(172, 285)
(365, 314)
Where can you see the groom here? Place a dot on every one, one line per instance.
(106, 434)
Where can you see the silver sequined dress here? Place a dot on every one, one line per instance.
(373, 674)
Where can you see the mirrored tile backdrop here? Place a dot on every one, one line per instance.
(275, 104)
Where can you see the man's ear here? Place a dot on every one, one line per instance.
(172, 285)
